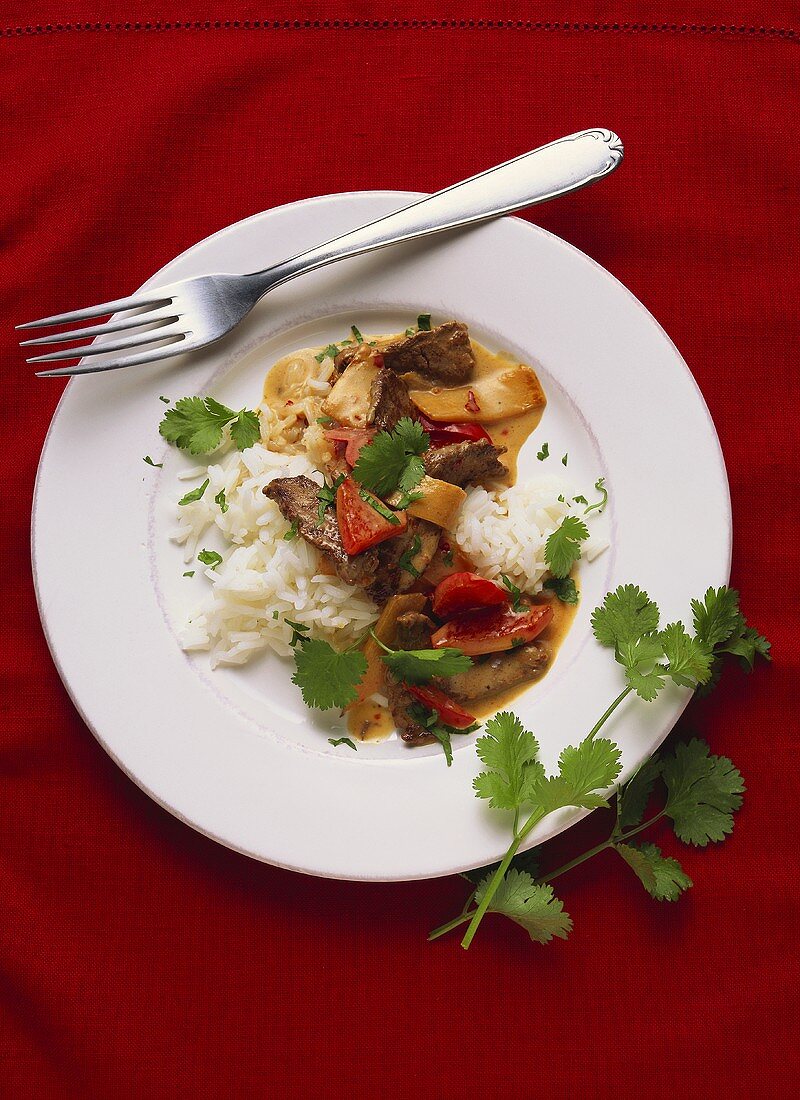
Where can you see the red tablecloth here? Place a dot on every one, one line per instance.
(139, 958)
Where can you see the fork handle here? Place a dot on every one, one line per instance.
(545, 173)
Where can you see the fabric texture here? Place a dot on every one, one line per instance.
(141, 959)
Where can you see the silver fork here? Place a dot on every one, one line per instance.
(194, 312)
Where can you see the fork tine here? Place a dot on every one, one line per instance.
(155, 297)
(175, 348)
(134, 341)
(124, 323)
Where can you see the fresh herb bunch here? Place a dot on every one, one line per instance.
(392, 460)
(702, 791)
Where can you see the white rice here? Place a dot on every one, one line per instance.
(505, 530)
(263, 579)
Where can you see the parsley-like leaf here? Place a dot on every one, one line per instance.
(563, 547)
(564, 459)
(336, 741)
(636, 793)
(544, 452)
(689, 661)
(245, 430)
(298, 631)
(149, 461)
(194, 494)
(326, 497)
(359, 339)
(625, 616)
(221, 501)
(325, 677)
(195, 424)
(166, 400)
(662, 877)
(515, 592)
(329, 352)
(210, 557)
(189, 573)
(716, 617)
(391, 460)
(530, 904)
(510, 754)
(291, 534)
(419, 666)
(406, 562)
(424, 322)
(583, 771)
(703, 791)
(747, 646)
(564, 588)
(378, 506)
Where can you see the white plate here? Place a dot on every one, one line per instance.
(234, 753)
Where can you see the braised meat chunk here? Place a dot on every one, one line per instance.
(466, 463)
(403, 559)
(498, 672)
(298, 500)
(443, 353)
(390, 401)
(413, 631)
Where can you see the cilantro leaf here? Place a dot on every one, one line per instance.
(564, 459)
(166, 400)
(291, 534)
(419, 666)
(516, 593)
(298, 630)
(689, 661)
(149, 461)
(336, 741)
(221, 501)
(635, 795)
(563, 548)
(529, 904)
(195, 424)
(406, 562)
(625, 616)
(326, 497)
(716, 617)
(563, 587)
(424, 322)
(391, 460)
(703, 792)
(510, 754)
(210, 557)
(583, 770)
(246, 430)
(662, 877)
(431, 722)
(194, 494)
(747, 646)
(359, 339)
(328, 352)
(325, 677)
(189, 573)
(544, 452)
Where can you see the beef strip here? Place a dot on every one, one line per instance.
(465, 463)
(390, 577)
(443, 353)
(298, 501)
(389, 401)
(413, 631)
(499, 672)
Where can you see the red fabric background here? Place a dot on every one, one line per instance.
(139, 958)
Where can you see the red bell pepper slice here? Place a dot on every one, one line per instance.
(442, 434)
(493, 631)
(354, 438)
(361, 524)
(449, 712)
(462, 592)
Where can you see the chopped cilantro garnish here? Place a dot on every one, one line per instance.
(189, 573)
(563, 587)
(424, 322)
(336, 741)
(210, 557)
(166, 400)
(359, 339)
(516, 593)
(291, 534)
(326, 498)
(600, 504)
(194, 494)
(565, 459)
(329, 352)
(150, 462)
(562, 548)
(379, 507)
(406, 561)
(221, 501)
(326, 420)
(544, 452)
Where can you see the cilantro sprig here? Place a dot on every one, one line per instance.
(419, 666)
(196, 425)
(392, 459)
(702, 792)
(563, 547)
(327, 677)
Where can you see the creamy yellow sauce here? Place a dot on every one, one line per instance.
(511, 433)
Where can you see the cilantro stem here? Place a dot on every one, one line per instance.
(609, 843)
(602, 721)
(443, 929)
